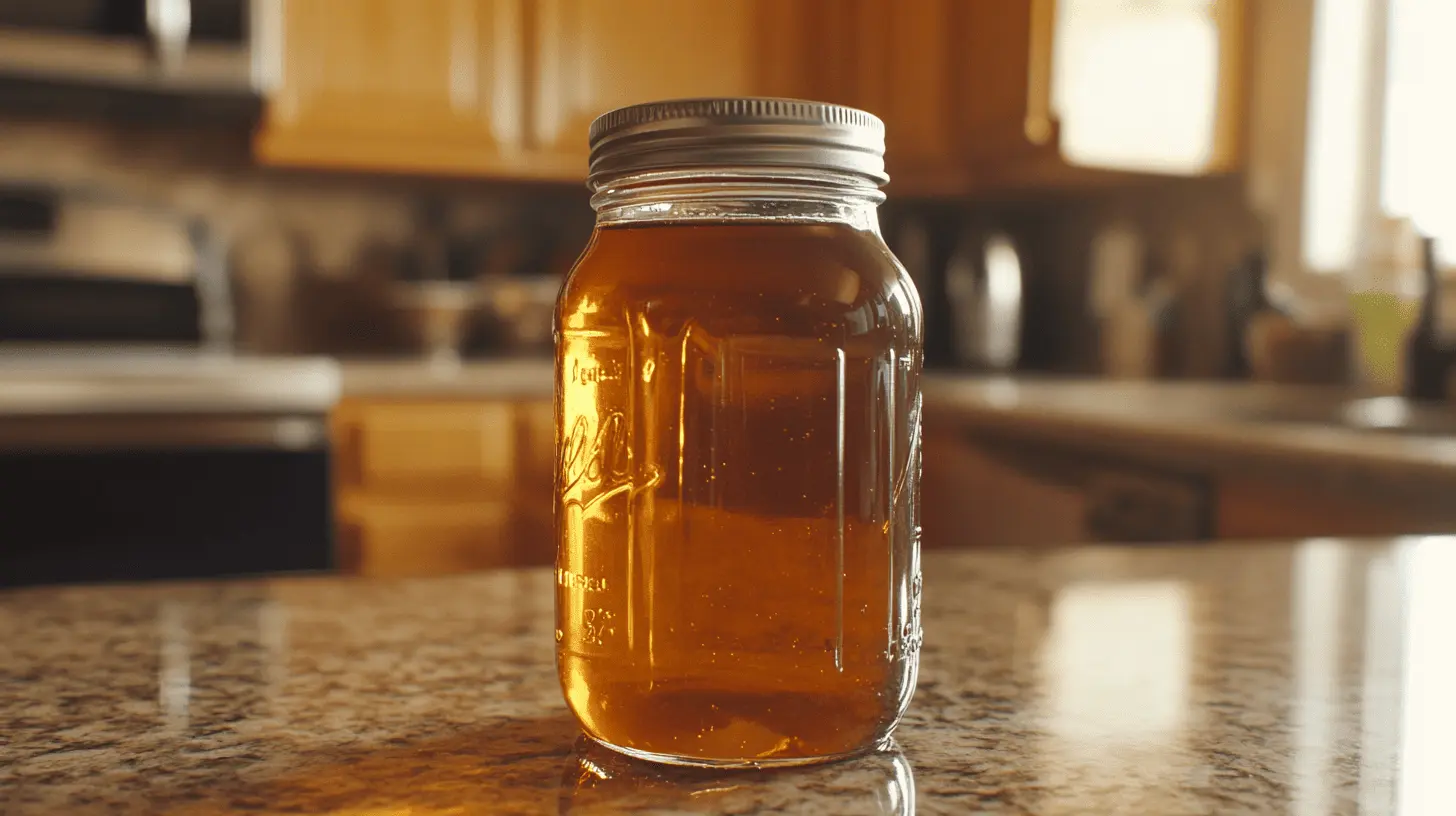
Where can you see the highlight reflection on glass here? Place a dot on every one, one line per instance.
(598, 781)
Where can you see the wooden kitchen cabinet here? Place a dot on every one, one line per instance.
(992, 488)
(1253, 508)
(974, 93)
(903, 70)
(507, 88)
(430, 486)
(383, 538)
(1002, 80)
(395, 85)
(963, 87)
(421, 447)
(588, 57)
(969, 498)
(984, 489)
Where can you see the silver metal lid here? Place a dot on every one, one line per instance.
(744, 132)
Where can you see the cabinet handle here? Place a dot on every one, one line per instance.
(1039, 124)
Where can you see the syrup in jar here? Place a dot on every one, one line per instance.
(738, 429)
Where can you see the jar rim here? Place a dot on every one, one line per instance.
(764, 132)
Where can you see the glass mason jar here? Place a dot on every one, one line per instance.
(738, 360)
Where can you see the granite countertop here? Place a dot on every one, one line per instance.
(1280, 678)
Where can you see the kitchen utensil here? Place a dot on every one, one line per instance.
(437, 312)
(984, 285)
(520, 309)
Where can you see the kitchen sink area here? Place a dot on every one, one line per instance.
(1380, 415)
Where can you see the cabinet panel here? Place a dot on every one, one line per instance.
(535, 446)
(807, 49)
(1256, 508)
(903, 74)
(455, 445)
(393, 539)
(1003, 79)
(431, 486)
(588, 57)
(395, 84)
(990, 489)
(964, 89)
(533, 504)
(972, 499)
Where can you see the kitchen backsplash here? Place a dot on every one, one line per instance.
(312, 252)
(1192, 232)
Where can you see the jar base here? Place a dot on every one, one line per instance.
(743, 764)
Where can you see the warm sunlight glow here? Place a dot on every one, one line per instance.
(1419, 167)
(1335, 145)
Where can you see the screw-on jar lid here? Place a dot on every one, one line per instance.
(739, 132)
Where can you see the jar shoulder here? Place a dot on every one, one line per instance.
(825, 272)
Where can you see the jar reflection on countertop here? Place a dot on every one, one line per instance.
(738, 426)
(595, 780)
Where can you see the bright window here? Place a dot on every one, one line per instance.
(1135, 83)
(1336, 152)
(1419, 165)
(1416, 167)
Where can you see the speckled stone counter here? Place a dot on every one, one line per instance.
(1299, 678)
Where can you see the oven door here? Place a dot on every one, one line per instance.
(131, 498)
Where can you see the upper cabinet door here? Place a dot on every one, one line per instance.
(590, 56)
(901, 64)
(395, 84)
(961, 84)
(993, 95)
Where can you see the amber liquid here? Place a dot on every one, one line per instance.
(737, 477)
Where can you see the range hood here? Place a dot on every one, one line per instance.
(145, 61)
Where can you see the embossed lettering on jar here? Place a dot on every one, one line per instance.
(738, 429)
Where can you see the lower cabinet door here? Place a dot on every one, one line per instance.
(399, 539)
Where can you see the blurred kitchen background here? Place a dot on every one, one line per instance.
(276, 275)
